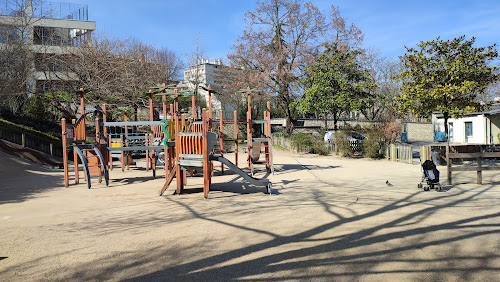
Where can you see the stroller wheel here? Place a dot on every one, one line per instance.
(426, 188)
(419, 185)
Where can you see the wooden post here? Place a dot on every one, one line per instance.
(75, 155)
(180, 178)
(148, 157)
(209, 109)
(107, 139)
(479, 170)
(221, 139)
(172, 112)
(82, 111)
(448, 162)
(151, 110)
(23, 140)
(236, 137)
(193, 107)
(98, 134)
(123, 154)
(165, 153)
(249, 129)
(269, 119)
(150, 142)
(183, 123)
(206, 163)
(65, 152)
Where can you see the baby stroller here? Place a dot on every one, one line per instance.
(430, 177)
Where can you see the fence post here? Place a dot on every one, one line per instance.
(51, 146)
(23, 140)
(479, 172)
(65, 152)
(448, 162)
(393, 153)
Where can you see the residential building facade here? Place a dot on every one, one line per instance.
(47, 29)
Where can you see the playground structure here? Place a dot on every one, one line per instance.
(184, 145)
(89, 154)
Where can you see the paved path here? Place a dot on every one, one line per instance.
(329, 219)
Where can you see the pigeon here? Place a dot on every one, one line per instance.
(388, 183)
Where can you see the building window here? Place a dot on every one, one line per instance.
(468, 130)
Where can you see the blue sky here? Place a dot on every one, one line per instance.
(388, 25)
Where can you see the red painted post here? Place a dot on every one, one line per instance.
(107, 139)
(65, 152)
(268, 135)
(180, 178)
(269, 119)
(98, 134)
(206, 163)
(82, 111)
(165, 153)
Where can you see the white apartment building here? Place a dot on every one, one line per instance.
(46, 28)
(203, 74)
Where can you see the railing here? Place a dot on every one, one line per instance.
(400, 153)
(45, 9)
(31, 140)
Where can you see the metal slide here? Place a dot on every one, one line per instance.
(254, 181)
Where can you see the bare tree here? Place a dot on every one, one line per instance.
(382, 71)
(282, 37)
(119, 70)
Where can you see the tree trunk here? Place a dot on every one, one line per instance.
(446, 117)
(326, 122)
(290, 124)
(335, 119)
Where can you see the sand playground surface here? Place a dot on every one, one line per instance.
(329, 218)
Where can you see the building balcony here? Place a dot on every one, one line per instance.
(44, 9)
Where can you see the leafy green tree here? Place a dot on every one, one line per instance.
(445, 76)
(335, 83)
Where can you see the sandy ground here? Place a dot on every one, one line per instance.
(328, 219)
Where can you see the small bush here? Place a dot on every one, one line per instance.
(343, 143)
(374, 145)
(304, 140)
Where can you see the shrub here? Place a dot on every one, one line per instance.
(391, 129)
(374, 145)
(304, 140)
(343, 143)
